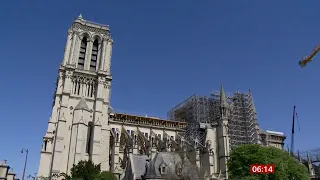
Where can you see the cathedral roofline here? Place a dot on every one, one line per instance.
(120, 115)
(91, 23)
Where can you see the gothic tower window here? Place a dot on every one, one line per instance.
(45, 145)
(82, 53)
(94, 55)
(89, 134)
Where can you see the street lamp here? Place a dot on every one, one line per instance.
(4, 168)
(32, 177)
(25, 162)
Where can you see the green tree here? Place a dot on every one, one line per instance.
(317, 170)
(286, 167)
(85, 170)
(105, 175)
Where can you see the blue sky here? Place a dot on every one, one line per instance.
(164, 51)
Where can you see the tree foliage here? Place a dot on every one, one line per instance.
(286, 167)
(87, 170)
(106, 176)
(317, 171)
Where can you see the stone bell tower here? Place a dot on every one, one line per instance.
(78, 127)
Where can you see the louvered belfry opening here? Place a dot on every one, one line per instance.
(94, 55)
(82, 53)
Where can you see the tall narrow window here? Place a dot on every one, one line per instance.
(89, 137)
(94, 55)
(82, 53)
(45, 145)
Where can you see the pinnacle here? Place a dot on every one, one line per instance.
(223, 100)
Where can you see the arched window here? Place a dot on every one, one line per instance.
(89, 137)
(94, 55)
(82, 53)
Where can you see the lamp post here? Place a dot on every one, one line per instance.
(32, 177)
(25, 162)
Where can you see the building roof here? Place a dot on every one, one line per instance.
(170, 160)
(275, 132)
(138, 164)
(146, 121)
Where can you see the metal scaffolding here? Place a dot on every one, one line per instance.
(193, 109)
(243, 124)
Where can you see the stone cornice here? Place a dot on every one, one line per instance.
(46, 152)
(104, 74)
(90, 27)
(132, 120)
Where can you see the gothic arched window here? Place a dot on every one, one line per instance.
(89, 137)
(82, 53)
(94, 55)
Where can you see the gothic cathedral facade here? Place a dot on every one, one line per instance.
(78, 128)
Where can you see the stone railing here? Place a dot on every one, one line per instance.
(148, 121)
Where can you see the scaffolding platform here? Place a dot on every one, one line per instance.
(243, 124)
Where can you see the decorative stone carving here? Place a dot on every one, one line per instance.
(101, 80)
(83, 79)
(110, 40)
(70, 31)
(61, 78)
(68, 74)
(77, 26)
(61, 75)
(83, 85)
(107, 85)
(105, 38)
(104, 82)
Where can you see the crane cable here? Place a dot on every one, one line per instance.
(298, 121)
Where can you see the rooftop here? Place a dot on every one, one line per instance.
(91, 24)
(275, 132)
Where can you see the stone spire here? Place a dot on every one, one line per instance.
(223, 100)
(251, 102)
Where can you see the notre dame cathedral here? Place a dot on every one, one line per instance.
(84, 126)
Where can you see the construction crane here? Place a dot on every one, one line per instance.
(308, 59)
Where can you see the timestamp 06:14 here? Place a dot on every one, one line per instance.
(262, 168)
